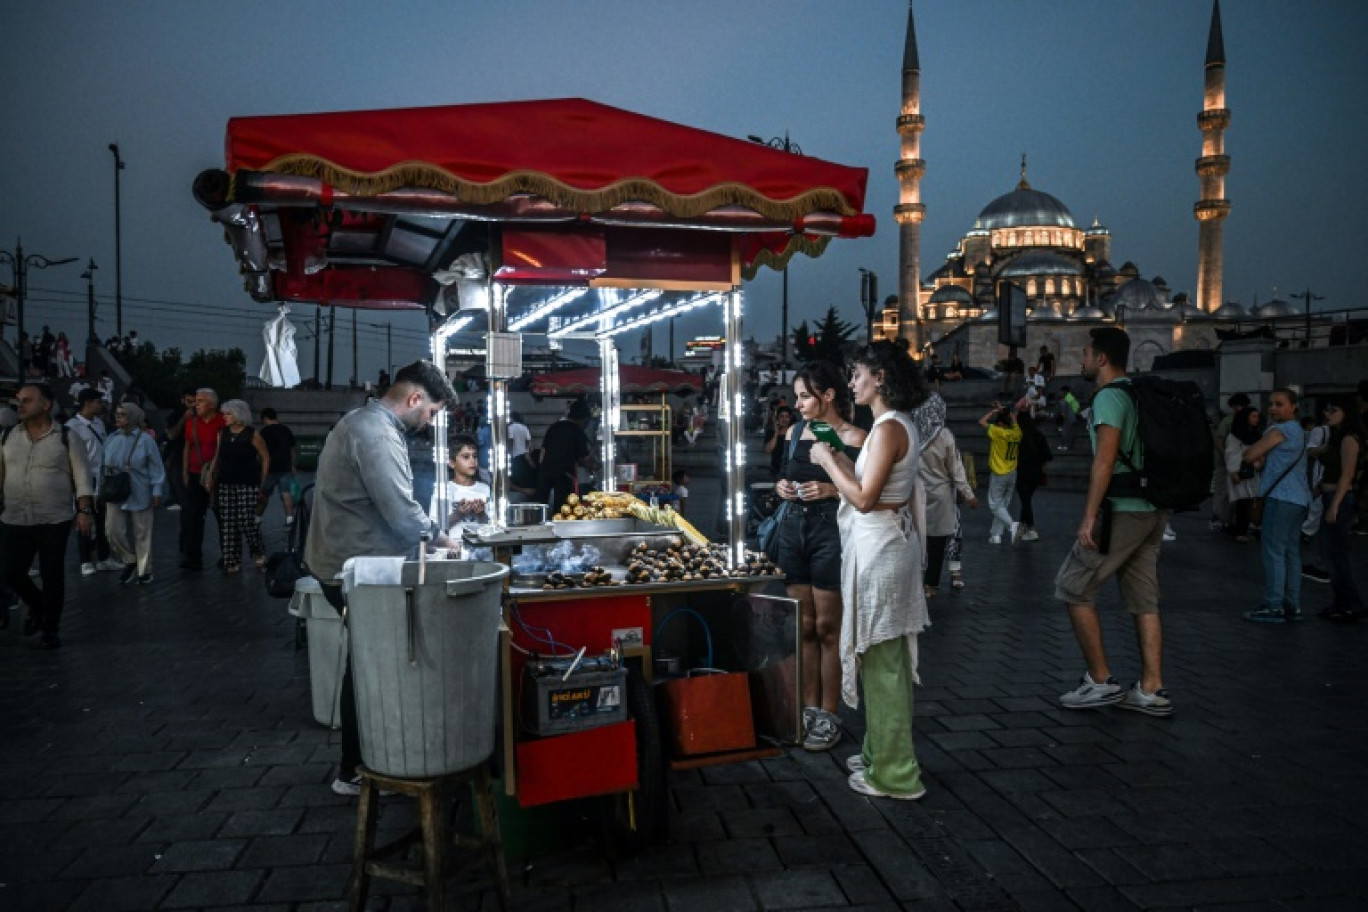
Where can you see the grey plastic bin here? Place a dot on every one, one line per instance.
(425, 667)
(327, 650)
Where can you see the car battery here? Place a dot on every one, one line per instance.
(594, 693)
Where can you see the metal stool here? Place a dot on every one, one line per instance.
(367, 861)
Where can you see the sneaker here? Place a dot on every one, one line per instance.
(995, 539)
(1268, 615)
(809, 714)
(130, 573)
(88, 569)
(49, 642)
(173, 507)
(1030, 535)
(956, 579)
(824, 733)
(1315, 574)
(858, 783)
(1014, 533)
(855, 763)
(289, 521)
(347, 788)
(145, 578)
(1155, 704)
(1090, 695)
(1169, 534)
(110, 563)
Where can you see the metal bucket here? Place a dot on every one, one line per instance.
(327, 650)
(425, 663)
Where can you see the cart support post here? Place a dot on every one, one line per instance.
(731, 395)
(498, 412)
(440, 422)
(611, 388)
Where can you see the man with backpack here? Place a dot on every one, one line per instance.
(1118, 536)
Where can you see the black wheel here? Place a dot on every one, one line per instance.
(644, 819)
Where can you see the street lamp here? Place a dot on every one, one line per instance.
(20, 265)
(89, 276)
(784, 145)
(1308, 297)
(118, 245)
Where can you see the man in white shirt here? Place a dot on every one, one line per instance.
(519, 437)
(88, 426)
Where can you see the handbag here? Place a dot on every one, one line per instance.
(116, 484)
(768, 533)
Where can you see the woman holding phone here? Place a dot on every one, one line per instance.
(882, 521)
(810, 544)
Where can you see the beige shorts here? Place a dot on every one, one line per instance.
(1134, 561)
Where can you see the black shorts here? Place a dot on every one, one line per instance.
(810, 545)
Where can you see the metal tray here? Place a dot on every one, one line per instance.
(604, 528)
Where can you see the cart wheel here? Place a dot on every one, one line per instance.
(649, 804)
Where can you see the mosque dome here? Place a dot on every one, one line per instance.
(951, 294)
(1040, 262)
(1089, 312)
(1047, 313)
(1230, 311)
(1275, 308)
(1024, 207)
(1138, 294)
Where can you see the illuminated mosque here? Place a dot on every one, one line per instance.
(1030, 238)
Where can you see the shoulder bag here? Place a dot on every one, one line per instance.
(116, 484)
(768, 533)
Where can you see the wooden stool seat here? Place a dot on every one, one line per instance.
(368, 860)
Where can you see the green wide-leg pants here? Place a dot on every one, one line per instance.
(890, 758)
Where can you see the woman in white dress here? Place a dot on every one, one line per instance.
(882, 521)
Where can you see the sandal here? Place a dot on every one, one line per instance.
(929, 591)
(956, 579)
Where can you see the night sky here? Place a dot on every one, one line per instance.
(1102, 97)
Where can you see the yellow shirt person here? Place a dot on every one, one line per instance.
(1004, 442)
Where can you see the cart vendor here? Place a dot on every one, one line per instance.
(364, 506)
(564, 448)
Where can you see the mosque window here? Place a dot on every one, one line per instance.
(1049, 286)
(951, 313)
(1031, 287)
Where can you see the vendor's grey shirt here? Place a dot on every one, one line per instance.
(363, 494)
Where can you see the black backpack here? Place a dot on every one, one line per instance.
(284, 568)
(1176, 458)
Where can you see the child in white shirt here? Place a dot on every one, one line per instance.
(467, 496)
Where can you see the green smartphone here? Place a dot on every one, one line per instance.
(827, 434)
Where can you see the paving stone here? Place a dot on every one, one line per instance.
(282, 851)
(816, 850)
(277, 822)
(736, 856)
(112, 861)
(796, 889)
(708, 895)
(217, 888)
(767, 821)
(124, 894)
(179, 827)
(305, 883)
(202, 855)
(905, 877)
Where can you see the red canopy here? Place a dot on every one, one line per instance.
(363, 207)
(634, 379)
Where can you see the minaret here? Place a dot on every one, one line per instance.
(1211, 210)
(909, 212)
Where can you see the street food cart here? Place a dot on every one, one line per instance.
(573, 220)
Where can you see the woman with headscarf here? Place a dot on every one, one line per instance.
(1242, 479)
(133, 450)
(942, 475)
(239, 470)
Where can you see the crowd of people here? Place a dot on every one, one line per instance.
(49, 355)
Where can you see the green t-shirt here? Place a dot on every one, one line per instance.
(1114, 408)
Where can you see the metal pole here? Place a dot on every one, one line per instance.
(89, 276)
(356, 368)
(118, 245)
(610, 385)
(498, 413)
(19, 294)
(731, 397)
(318, 339)
(332, 338)
(389, 349)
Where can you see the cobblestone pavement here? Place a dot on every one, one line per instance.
(166, 758)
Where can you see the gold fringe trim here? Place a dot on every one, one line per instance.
(798, 243)
(429, 176)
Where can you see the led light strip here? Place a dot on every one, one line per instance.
(636, 300)
(547, 307)
(657, 315)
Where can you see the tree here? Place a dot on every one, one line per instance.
(162, 375)
(826, 341)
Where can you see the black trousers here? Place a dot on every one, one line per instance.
(193, 511)
(95, 547)
(351, 733)
(1025, 491)
(935, 557)
(49, 542)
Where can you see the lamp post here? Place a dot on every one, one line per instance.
(118, 245)
(869, 300)
(1308, 297)
(785, 145)
(89, 276)
(20, 265)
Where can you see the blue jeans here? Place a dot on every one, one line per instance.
(1000, 488)
(1346, 594)
(1281, 546)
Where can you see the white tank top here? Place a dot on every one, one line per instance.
(903, 478)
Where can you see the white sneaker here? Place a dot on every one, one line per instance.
(1169, 534)
(859, 783)
(173, 508)
(1089, 694)
(88, 570)
(289, 521)
(1030, 535)
(995, 539)
(110, 563)
(1015, 532)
